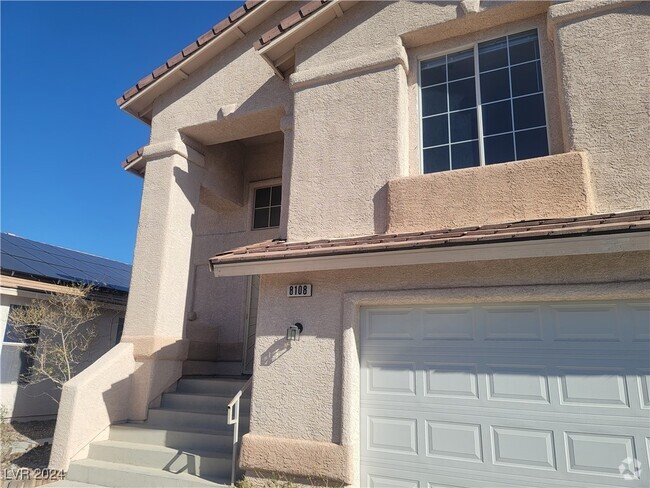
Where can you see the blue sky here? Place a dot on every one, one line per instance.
(63, 137)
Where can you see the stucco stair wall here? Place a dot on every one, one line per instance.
(185, 442)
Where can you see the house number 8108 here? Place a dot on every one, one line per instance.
(299, 290)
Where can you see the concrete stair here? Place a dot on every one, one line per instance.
(183, 443)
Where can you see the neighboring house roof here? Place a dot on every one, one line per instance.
(508, 232)
(43, 262)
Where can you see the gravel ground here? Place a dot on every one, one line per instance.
(38, 456)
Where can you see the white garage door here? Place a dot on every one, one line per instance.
(505, 395)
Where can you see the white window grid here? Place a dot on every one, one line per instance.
(479, 113)
(270, 186)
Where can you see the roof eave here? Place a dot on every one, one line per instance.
(140, 105)
(530, 248)
(279, 52)
(135, 163)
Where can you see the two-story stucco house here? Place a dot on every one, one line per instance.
(450, 199)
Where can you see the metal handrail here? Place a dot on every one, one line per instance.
(233, 407)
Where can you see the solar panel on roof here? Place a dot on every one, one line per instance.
(37, 259)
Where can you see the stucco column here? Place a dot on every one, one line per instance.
(605, 86)
(286, 125)
(156, 310)
(351, 138)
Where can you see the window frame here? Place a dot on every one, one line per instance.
(422, 58)
(26, 364)
(252, 187)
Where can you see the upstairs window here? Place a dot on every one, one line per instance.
(267, 207)
(483, 105)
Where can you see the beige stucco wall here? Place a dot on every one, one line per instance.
(312, 379)
(220, 226)
(604, 59)
(34, 401)
(90, 402)
(354, 126)
(236, 82)
(543, 188)
(346, 147)
(351, 122)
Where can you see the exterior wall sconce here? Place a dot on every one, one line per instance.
(294, 331)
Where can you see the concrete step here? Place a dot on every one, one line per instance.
(174, 438)
(197, 463)
(211, 385)
(122, 475)
(208, 368)
(181, 420)
(200, 403)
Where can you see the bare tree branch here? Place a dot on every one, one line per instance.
(57, 333)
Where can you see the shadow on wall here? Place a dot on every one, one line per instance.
(278, 349)
(25, 401)
(185, 180)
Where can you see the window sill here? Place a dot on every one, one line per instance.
(554, 186)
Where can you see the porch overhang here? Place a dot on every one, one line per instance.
(604, 234)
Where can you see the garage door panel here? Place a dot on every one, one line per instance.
(525, 447)
(524, 384)
(397, 435)
(391, 377)
(511, 324)
(640, 322)
(494, 404)
(390, 324)
(456, 324)
(586, 323)
(454, 440)
(445, 380)
(593, 387)
(598, 453)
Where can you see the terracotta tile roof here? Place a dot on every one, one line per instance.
(290, 22)
(515, 231)
(197, 45)
(132, 157)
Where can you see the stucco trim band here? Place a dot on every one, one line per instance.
(297, 457)
(375, 60)
(172, 147)
(563, 13)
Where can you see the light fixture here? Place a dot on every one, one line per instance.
(294, 331)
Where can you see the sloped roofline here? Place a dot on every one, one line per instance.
(136, 99)
(190, 50)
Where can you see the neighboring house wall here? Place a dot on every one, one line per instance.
(36, 401)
